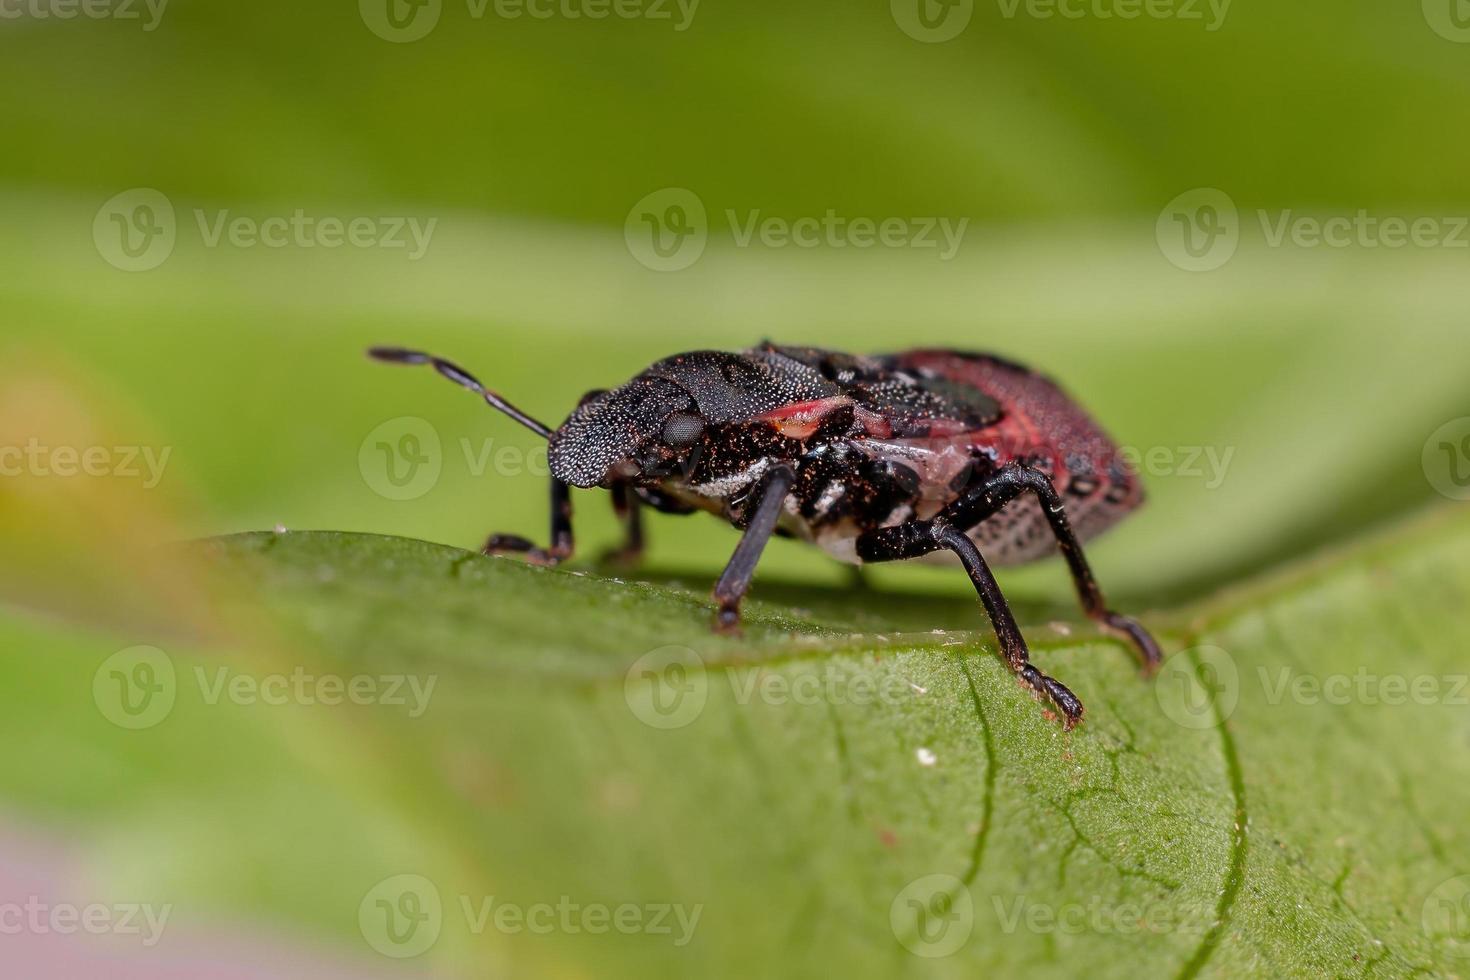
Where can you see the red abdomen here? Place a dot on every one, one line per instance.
(1044, 428)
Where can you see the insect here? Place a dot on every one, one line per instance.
(938, 453)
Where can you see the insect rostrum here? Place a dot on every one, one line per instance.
(936, 453)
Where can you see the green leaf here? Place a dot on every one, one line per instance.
(1287, 798)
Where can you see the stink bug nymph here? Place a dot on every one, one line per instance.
(924, 452)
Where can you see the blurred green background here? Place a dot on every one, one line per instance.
(1313, 374)
(529, 141)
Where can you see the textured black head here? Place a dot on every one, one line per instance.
(652, 425)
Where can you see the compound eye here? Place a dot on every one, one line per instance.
(683, 429)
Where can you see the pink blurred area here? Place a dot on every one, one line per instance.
(40, 874)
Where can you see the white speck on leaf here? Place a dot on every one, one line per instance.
(926, 757)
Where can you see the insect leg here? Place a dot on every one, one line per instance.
(922, 537)
(629, 508)
(561, 533)
(1015, 479)
(561, 504)
(770, 496)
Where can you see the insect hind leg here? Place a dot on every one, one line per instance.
(1014, 480)
(917, 538)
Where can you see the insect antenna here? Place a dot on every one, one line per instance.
(461, 377)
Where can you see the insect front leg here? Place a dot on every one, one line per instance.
(1015, 479)
(561, 545)
(918, 538)
(769, 497)
(629, 508)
